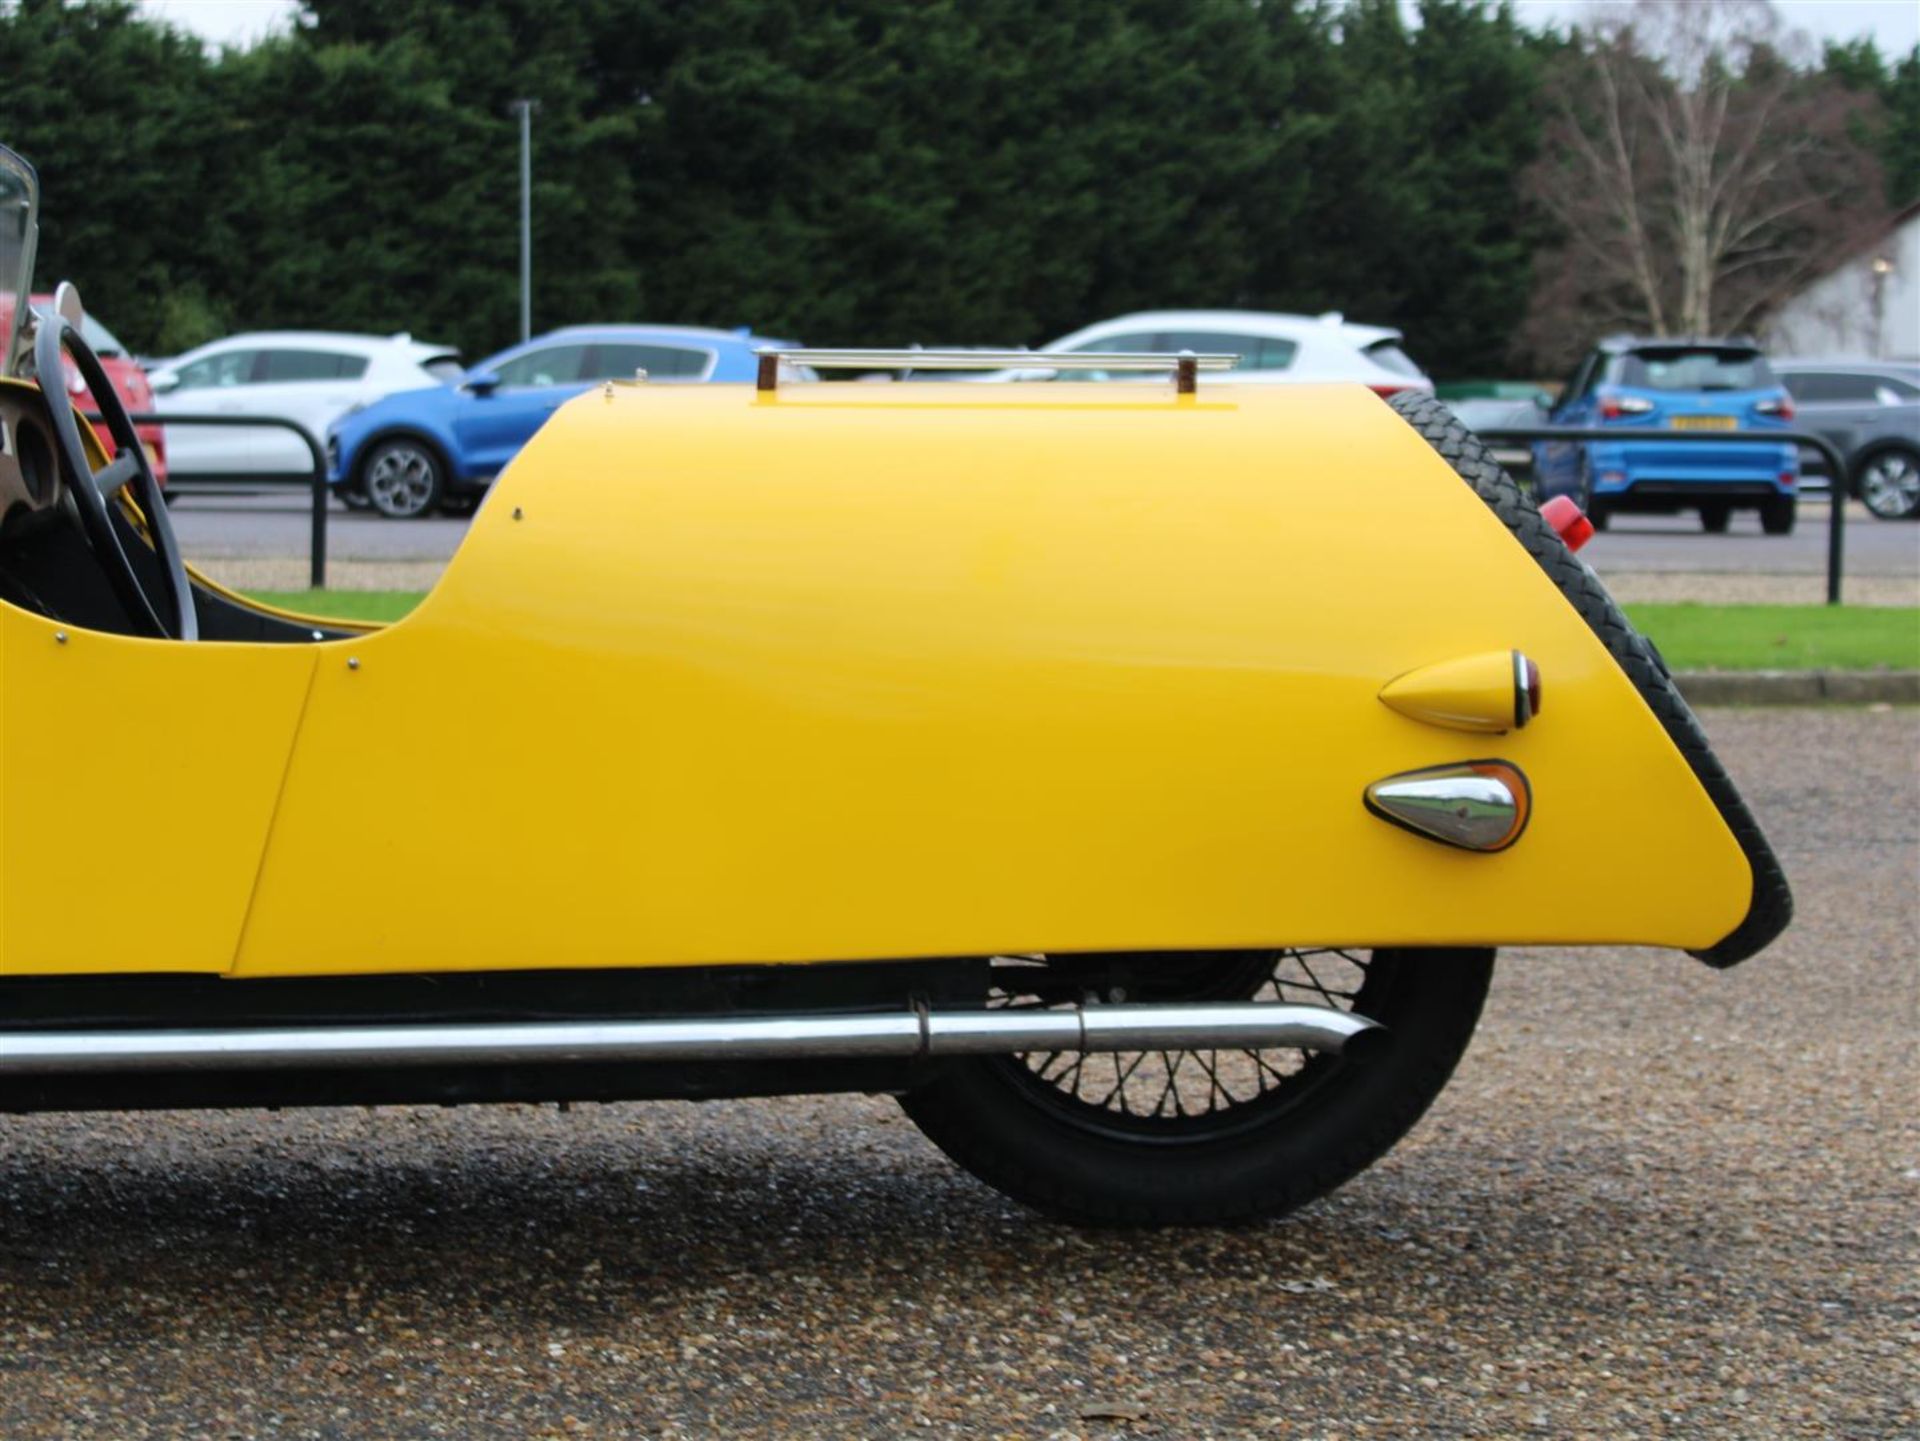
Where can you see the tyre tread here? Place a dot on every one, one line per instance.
(1772, 905)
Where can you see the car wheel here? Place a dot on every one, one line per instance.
(1889, 482)
(403, 478)
(1714, 517)
(1777, 515)
(1592, 506)
(1207, 1137)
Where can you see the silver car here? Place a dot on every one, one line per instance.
(1870, 410)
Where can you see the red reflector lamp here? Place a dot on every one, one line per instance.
(1568, 521)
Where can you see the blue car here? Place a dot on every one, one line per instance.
(439, 448)
(1681, 385)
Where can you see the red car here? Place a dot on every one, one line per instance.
(128, 379)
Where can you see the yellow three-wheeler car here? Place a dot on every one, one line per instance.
(1134, 779)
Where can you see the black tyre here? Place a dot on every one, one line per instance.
(403, 477)
(1888, 481)
(1595, 509)
(1203, 1138)
(1714, 516)
(1777, 515)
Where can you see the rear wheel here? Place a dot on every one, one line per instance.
(1889, 482)
(1714, 516)
(1777, 515)
(1203, 1137)
(1595, 509)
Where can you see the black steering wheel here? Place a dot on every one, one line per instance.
(170, 614)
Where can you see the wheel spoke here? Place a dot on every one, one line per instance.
(1217, 1083)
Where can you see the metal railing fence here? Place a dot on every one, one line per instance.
(1836, 466)
(315, 478)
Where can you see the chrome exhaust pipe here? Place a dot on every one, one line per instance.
(1229, 1026)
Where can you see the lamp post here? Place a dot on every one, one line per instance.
(524, 109)
(1882, 268)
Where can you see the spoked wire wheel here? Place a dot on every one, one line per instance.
(1161, 1137)
(1174, 1095)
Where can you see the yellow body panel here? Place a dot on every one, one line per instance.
(935, 670)
(140, 778)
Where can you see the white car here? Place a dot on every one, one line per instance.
(311, 376)
(1274, 348)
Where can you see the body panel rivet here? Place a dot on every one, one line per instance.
(517, 513)
(353, 662)
(60, 637)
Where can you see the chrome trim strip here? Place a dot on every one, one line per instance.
(1184, 365)
(906, 1034)
(1147, 360)
(1522, 696)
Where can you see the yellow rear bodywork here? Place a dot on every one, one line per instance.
(850, 672)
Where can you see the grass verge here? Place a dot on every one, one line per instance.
(1690, 636)
(375, 605)
(1782, 637)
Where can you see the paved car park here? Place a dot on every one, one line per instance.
(1658, 1200)
(262, 540)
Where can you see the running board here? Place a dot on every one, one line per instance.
(906, 1034)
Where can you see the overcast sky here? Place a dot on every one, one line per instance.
(1895, 24)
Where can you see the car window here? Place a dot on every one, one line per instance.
(661, 362)
(1388, 355)
(1677, 367)
(445, 368)
(216, 372)
(550, 365)
(100, 340)
(1894, 391)
(1256, 352)
(290, 365)
(1122, 343)
(1816, 386)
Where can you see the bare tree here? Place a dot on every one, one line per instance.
(1694, 173)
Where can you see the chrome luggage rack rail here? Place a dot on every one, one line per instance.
(1185, 366)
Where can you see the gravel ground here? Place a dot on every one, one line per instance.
(1722, 588)
(1657, 1201)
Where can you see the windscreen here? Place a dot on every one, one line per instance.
(19, 216)
(1696, 368)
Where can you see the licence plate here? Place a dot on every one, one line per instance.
(1703, 422)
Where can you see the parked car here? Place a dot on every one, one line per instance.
(129, 381)
(311, 376)
(1498, 405)
(1274, 348)
(1870, 411)
(1692, 385)
(1135, 787)
(440, 447)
